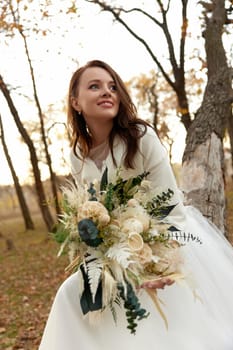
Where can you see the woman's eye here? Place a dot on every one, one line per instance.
(113, 87)
(93, 86)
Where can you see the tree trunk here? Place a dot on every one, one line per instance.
(48, 219)
(230, 133)
(53, 179)
(203, 181)
(203, 170)
(29, 225)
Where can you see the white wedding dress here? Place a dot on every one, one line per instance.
(200, 320)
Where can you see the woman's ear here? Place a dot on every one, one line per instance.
(75, 105)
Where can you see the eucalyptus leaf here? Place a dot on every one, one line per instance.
(104, 180)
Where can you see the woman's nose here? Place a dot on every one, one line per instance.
(106, 91)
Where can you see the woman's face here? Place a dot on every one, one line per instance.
(97, 97)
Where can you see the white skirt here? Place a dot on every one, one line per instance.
(196, 321)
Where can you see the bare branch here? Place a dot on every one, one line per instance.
(163, 25)
(162, 8)
(183, 33)
(169, 42)
(116, 15)
(140, 11)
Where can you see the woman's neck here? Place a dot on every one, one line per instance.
(100, 133)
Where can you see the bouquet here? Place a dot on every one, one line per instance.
(117, 240)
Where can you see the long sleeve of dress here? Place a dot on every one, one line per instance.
(155, 160)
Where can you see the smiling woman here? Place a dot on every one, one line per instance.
(92, 110)
(100, 114)
(96, 98)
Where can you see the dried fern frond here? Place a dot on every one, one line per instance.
(121, 253)
(94, 273)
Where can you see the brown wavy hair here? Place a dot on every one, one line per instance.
(126, 124)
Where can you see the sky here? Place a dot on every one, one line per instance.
(92, 35)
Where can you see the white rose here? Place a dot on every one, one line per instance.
(135, 241)
(132, 224)
(94, 210)
(104, 219)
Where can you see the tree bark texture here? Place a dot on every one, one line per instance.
(43, 205)
(230, 133)
(29, 225)
(53, 179)
(203, 182)
(203, 171)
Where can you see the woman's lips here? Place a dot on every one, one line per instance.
(105, 103)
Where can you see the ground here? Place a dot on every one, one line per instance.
(30, 275)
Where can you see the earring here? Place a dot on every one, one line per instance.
(79, 112)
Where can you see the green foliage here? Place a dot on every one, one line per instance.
(60, 233)
(123, 190)
(92, 192)
(66, 206)
(158, 207)
(109, 198)
(132, 306)
(104, 180)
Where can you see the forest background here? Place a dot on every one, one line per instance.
(176, 59)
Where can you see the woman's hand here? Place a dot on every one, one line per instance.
(158, 284)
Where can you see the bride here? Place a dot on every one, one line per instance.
(108, 134)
